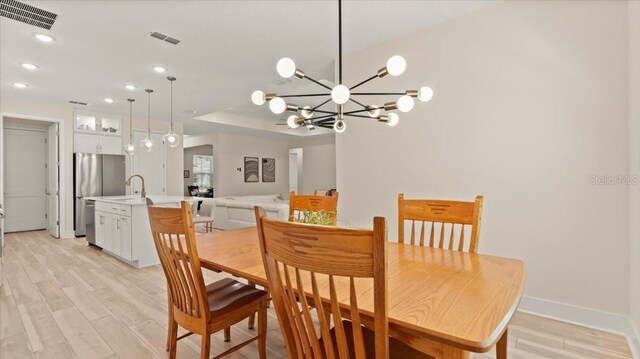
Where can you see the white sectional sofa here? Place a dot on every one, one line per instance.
(238, 212)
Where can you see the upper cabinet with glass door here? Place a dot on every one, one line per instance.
(97, 123)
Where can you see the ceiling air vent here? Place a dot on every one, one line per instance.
(163, 37)
(27, 14)
(78, 103)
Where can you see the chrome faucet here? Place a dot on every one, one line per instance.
(143, 193)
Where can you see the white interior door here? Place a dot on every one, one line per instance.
(149, 165)
(53, 192)
(25, 180)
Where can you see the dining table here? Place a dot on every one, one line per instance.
(442, 302)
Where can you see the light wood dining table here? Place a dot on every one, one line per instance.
(441, 302)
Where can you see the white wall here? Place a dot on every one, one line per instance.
(530, 101)
(319, 163)
(634, 158)
(64, 111)
(229, 151)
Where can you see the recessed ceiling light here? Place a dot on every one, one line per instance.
(108, 100)
(190, 112)
(20, 85)
(130, 87)
(159, 69)
(43, 37)
(29, 66)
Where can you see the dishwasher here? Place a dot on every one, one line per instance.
(90, 218)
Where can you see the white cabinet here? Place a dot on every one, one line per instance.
(110, 145)
(113, 229)
(97, 123)
(100, 228)
(125, 244)
(89, 143)
(97, 133)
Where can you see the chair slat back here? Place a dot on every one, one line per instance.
(319, 266)
(174, 238)
(442, 224)
(298, 203)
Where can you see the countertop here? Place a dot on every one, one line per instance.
(136, 200)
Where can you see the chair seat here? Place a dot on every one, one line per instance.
(397, 349)
(202, 219)
(227, 295)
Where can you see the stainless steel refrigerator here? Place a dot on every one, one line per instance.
(95, 175)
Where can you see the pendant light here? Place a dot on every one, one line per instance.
(130, 147)
(147, 143)
(171, 138)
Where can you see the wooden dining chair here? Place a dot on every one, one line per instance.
(300, 202)
(309, 265)
(452, 217)
(198, 308)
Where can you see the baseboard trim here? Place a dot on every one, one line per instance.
(634, 342)
(587, 317)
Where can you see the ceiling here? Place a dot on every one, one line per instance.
(228, 49)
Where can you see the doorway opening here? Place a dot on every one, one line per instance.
(30, 178)
(295, 170)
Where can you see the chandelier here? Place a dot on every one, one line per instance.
(312, 116)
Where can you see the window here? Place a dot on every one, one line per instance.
(203, 171)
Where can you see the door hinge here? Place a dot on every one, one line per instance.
(58, 223)
(46, 166)
(45, 140)
(46, 216)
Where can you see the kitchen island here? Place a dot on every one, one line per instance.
(122, 227)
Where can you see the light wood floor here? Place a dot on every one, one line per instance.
(62, 299)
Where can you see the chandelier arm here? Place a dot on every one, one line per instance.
(322, 117)
(378, 93)
(364, 82)
(333, 113)
(318, 82)
(320, 105)
(326, 126)
(326, 120)
(357, 102)
(356, 111)
(360, 116)
(306, 95)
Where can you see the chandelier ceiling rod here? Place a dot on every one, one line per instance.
(340, 41)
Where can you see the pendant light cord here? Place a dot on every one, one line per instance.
(149, 117)
(171, 104)
(130, 121)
